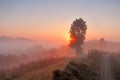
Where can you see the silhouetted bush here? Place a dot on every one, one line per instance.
(75, 70)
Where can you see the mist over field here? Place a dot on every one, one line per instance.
(10, 43)
(16, 54)
(21, 55)
(17, 51)
(59, 40)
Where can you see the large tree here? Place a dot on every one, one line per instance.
(77, 34)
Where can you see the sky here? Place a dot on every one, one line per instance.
(50, 20)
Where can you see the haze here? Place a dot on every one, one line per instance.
(59, 39)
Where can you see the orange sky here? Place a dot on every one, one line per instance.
(50, 20)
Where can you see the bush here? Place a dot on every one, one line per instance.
(75, 70)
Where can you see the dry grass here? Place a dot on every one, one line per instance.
(44, 73)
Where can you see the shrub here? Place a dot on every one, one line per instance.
(75, 70)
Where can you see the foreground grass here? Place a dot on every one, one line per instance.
(41, 70)
(44, 73)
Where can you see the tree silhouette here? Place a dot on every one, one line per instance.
(77, 34)
(102, 44)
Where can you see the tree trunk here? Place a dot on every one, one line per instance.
(79, 50)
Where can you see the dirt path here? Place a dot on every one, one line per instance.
(106, 70)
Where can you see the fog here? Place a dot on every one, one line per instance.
(8, 44)
(109, 46)
(16, 53)
(25, 50)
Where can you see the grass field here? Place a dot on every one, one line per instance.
(43, 71)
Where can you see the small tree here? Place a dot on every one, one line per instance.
(77, 34)
(102, 44)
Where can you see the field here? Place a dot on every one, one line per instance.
(41, 70)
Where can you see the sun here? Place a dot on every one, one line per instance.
(67, 37)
